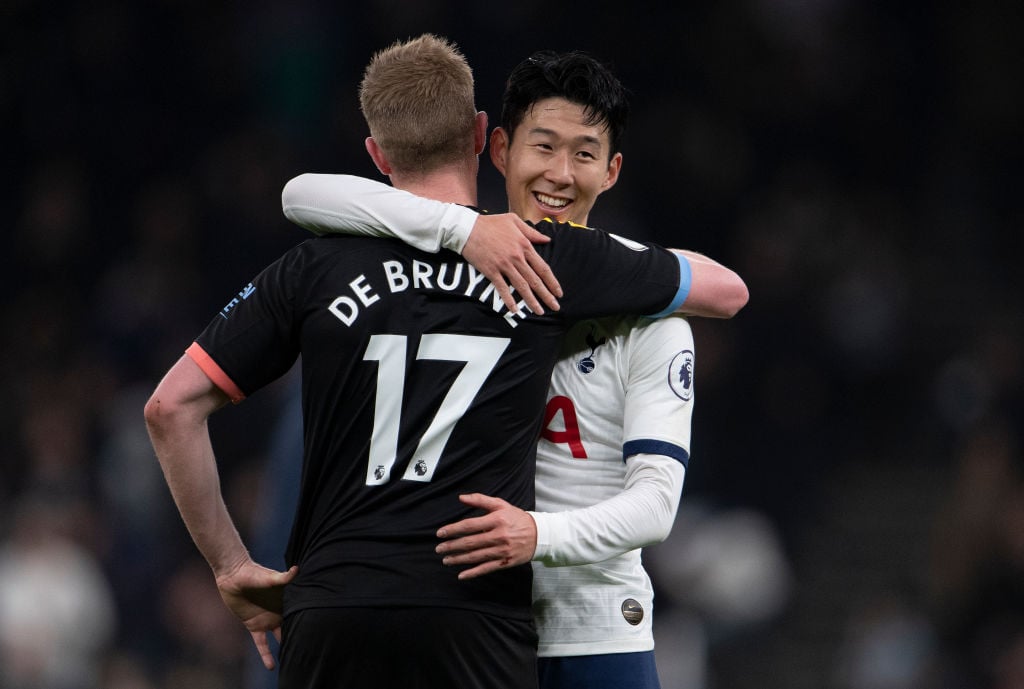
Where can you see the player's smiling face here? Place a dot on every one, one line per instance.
(556, 165)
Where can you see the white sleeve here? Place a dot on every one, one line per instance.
(346, 204)
(640, 515)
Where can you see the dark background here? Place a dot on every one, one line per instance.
(854, 512)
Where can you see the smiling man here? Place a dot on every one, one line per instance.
(615, 444)
(559, 154)
(558, 166)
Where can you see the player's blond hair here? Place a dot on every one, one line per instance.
(417, 98)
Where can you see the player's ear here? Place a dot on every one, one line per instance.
(614, 167)
(378, 157)
(499, 149)
(479, 132)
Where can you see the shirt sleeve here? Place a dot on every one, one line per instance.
(641, 515)
(254, 339)
(603, 274)
(659, 388)
(345, 204)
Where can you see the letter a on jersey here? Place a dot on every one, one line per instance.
(571, 434)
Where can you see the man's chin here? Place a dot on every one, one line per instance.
(557, 216)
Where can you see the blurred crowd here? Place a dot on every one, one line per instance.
(858, 163)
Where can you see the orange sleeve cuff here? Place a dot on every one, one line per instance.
(215, 372)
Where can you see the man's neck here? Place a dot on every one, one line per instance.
(451, 185)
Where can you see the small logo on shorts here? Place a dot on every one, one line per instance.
(632, 611)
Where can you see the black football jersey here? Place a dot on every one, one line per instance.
(418, 385)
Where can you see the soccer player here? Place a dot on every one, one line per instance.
(419, 384)
(615, 444)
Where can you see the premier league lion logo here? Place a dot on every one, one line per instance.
(680, 375)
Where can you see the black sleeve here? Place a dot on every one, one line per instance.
(254, 338)
(603, 274)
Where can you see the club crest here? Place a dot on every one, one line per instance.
(680, 375)
(586, 364)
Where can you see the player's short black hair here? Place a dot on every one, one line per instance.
(575, 76)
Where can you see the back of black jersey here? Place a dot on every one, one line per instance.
(418, 386)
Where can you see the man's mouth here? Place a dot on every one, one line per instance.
(552, 203)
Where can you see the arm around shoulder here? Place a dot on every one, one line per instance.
(346, 204)
(715, 291)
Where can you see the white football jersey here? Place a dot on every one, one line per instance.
(622, 387)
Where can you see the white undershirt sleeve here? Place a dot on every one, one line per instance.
(345, 204)
(641, 515)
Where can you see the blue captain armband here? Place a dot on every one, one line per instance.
(685, 278)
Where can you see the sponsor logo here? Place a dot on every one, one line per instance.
(246, 292)
(628, 243)
(632, 611)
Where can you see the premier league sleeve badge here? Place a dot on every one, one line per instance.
(680, 375)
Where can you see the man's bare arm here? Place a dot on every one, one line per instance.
(715, 291)
(176, 417)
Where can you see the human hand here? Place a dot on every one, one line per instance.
(501, 248)
(254, 593)
(504, 537)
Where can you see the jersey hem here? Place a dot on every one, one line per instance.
(589, 648)
(500, 611)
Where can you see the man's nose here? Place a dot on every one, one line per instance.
(559, 168)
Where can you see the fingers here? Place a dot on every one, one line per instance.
(484, 502)
(263, 647)
(501, 278)
(522, 286)
(532, 287)
(502, 250)
(483, 561)
(532, 277)
(468, 548)
(471, 552)
(548, 281)
(498, 280)
(472, 525)
(531, 233)
(480, 570)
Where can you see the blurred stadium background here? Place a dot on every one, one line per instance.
(854, 515)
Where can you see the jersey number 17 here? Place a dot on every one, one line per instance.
(481, 355)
